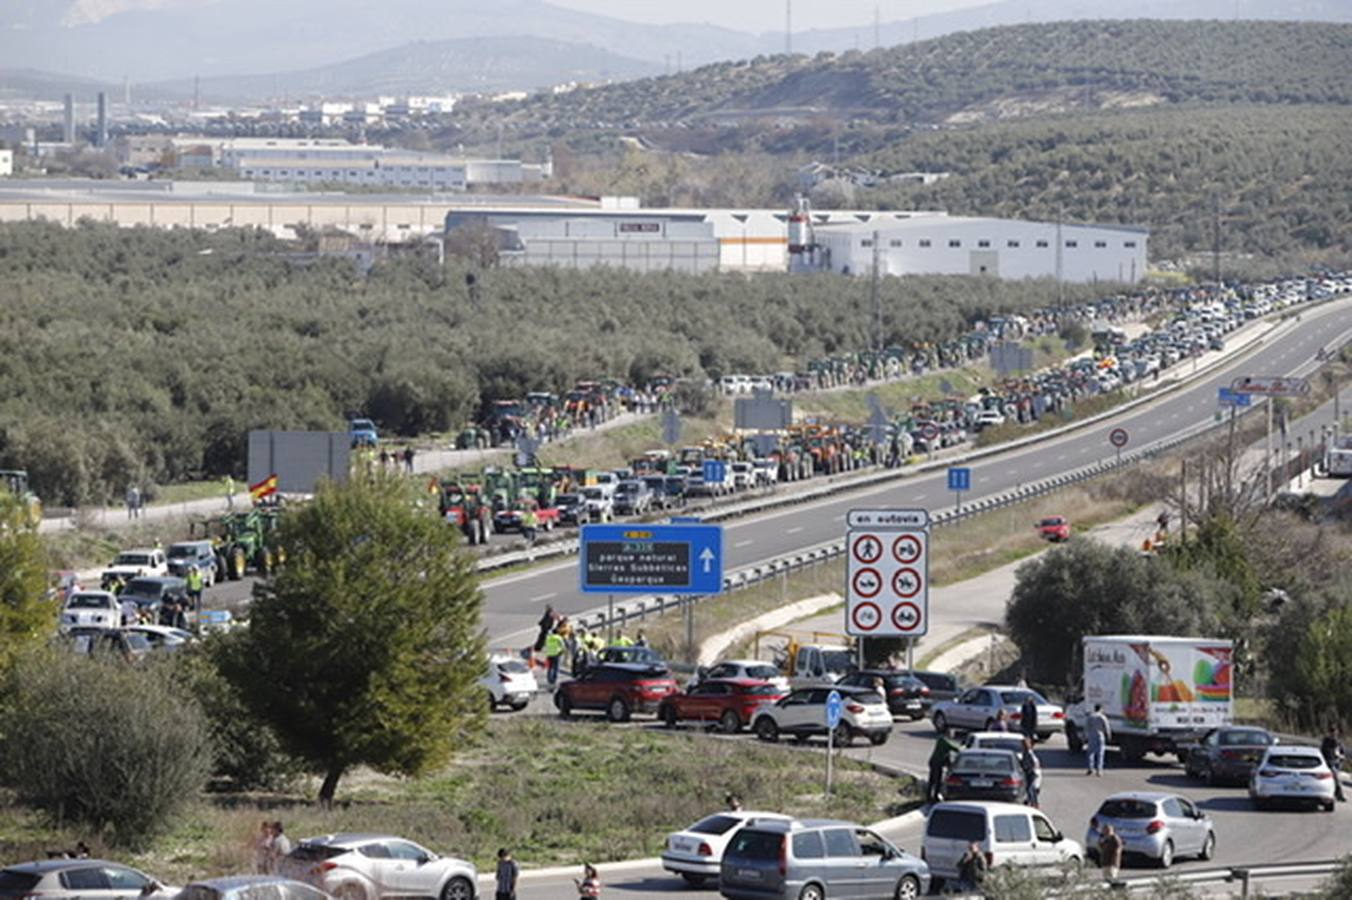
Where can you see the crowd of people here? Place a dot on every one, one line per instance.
(561, 642)
(270, 847)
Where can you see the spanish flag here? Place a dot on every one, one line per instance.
(265, 488)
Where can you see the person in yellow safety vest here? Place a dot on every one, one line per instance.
(554, 647)
(195, 583)
(529, 522)
(622, 640)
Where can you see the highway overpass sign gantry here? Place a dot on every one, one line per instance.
(651, 559)
(887, 573)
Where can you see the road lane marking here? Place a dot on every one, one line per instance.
(543, 597)
(740, 544)
(794, 530)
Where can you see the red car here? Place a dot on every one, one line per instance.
(619, 689)
(729, 702)
(1054, 528)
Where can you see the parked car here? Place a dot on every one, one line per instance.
(91, 609)
(136, 563)
(977, 708)
(600, 505)
(1292, 774)
(1054, 529)
(657, 485)
(1227, 754)
(362, 433)
(731, 703)
(696, 853)
(755, 669)
(151, 592)
(620, 689)
(994, 740)
(818, 858)
(186, 554)
(633, 498)
(572, 508)
(119, 642)
(79, 879)
(162, 637)
(942, 685)
(742, 475)
(1009, 835)
(802, 714)
(374, 866)
(985, 775)
(251, 887)
(905, 694)
(1157, 826)
(677, 488)
(509, 682)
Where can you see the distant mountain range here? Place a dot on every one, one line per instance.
(308, 42)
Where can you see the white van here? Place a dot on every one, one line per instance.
(1009, 834)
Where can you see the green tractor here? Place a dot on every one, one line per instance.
(243, 540)
(16, 482)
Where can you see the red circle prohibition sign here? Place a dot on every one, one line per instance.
(907, 549)
(1118, 437)
(906, 583)
(871, 620)
(901, 612)
(868, 549)
(867, 591)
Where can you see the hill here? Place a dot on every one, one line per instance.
(1019, 70)
(432, 67)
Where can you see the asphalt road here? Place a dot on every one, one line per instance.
(514, 603)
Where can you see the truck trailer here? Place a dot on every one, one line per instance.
(1159, 693)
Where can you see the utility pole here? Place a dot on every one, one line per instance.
(1216, 243)
(1060, 249)
(877, 296)
(1267, 455)
(1183, 528)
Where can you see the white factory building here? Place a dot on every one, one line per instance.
(999, 248)
(318, 161)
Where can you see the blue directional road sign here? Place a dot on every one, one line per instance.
(715, 471)
(959, 478)
(1232, 397)
(835, 708)
(651, 559)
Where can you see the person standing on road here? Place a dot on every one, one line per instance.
(972, 870)
(228, 484)
(508, 873)
(529, 522)
(589, 885)
(548, 619)
(940, 759)
(1028, 718)
(554, 647)
(622, 640)
(1110, 852)
(1098, 732)
(133, 501)
(1332, 749)
(1001, 722)
(408, 460)
(1032, 772)
(195, 583)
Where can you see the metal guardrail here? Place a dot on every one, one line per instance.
(1244, 876)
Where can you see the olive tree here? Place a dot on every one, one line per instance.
(365, 648)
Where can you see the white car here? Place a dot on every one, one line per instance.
(79, 879)
(743, 475)
(802, 714)
(374, 866)
(1292, 774)
(994, 740)
(1009, 834)
(696, 853)
(990, 418)
(137, 563)
(749, 669)
(509, 683)
(977, 709)
(599, 502)
(163, 637)
(91, 609)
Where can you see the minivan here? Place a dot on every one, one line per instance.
(1009, 835)
(817, 858)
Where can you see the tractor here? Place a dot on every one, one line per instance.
(463, 505)
(243, 540)
(16, 482)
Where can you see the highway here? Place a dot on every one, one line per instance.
(513, 603)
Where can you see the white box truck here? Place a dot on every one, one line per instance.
(1159, 693)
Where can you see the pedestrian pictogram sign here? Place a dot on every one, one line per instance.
(887, 573)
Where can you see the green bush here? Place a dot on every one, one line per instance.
(113, 747)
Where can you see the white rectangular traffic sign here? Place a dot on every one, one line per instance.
(1272, 386)
(887, 573)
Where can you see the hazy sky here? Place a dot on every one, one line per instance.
(766, 15)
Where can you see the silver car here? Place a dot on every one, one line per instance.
(68, 879)
(372, 866)
(1160, 827)
(978, 708)
(818, 858)
(250, 887)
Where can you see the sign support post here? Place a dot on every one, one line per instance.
(610, 619)
(835, 709)
(959, 480)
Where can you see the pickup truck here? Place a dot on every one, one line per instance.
(363, 433)
(547, 518)
(136, 563)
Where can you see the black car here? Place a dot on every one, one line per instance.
(985, 775)
(150, 592)
(676, 491)
(906, 695)
(658, 485)
(572, 508)
(1227, 754)
(942, 685)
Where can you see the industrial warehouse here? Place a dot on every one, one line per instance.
(574, 232)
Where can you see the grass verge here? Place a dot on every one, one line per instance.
(563, 793)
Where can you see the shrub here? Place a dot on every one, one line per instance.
(113, 747)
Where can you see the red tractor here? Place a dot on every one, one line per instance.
(463, 505)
